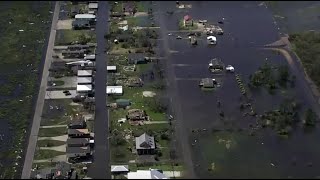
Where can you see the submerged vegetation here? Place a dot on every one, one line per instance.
(307, 45)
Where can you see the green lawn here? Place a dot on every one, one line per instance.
(50, 143)
(51, 132)
(58, 83)
(52, 122)
(67, 36)
(47, 154)
(43, 165)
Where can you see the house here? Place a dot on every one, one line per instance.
(216, 65)
(147, 174)
(123, 103)
(84, 73)
(137, 58)
(145, 144)
(84, 88)
(114, 90)
(112, 69)
(91, 57)
(73, 54)
(62, 170)
(207, 83)
(119, 169)
(78, 133)
(77, 123)
(78, 142)
(84, 80)
(78, 152)
(187, 21)
(136, 115)
(78, 47)
(90, 17)
(93, 6)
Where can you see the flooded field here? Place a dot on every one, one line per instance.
(228, 149)
(296, 16)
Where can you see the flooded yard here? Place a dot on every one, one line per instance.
(236, 152)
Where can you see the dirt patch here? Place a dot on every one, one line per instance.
(64, 24)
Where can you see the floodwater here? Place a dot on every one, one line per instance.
(248, 26)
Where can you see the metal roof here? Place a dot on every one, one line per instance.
(84, 80)
(145, 142)
(84, 87)
(85, 16)
(84, 72)
(119, 168)
(114, 90)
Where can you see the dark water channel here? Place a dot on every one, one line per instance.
(247, 27)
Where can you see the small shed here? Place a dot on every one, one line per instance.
(112, 68)
(114, 90)
(84, 73)
(123, 103)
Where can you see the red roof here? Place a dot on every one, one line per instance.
(187, 17)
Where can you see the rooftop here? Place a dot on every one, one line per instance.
(119, 168)
(84, 72)
(78, 131)
(71, 150)
(147, 174)
(76, 141)
(145, 142)
(85, 16)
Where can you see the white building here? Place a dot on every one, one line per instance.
(84, 88)
(83, 73)
(111, 68)
(85, 16)
(147, 174)
(93, 6)
(116, 90)
(84, 80)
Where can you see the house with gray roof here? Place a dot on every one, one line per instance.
(78, 142)
(62, 170)
(145, 144)
(78, 133)
(147, 174)
(78, 152)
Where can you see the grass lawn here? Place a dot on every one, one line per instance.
(139, 101)
(47, 154)
(44, 165)
(132, 21)
(50, 143)
(23, 33)
(67, 36)
(141, 6)
(51, 132)
(58, 83)
(52, 122)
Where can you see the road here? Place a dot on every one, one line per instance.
(100, 168)
(41, 97)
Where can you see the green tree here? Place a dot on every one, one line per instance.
(310, 118)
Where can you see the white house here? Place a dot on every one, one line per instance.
(147, 174)
(82, 73)
(84, 80)
(85, 16)
(111, 68)
(84, 88)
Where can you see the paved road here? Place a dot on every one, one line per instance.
(100, 167)
(40, 101)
